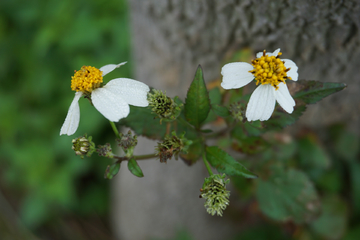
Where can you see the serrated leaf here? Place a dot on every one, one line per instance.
(288, 195)
(313, 91)
(134, 168)
(111, 171)
(197, 103)
(224, 163)
(220, 110)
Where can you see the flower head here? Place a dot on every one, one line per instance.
(111, 100)
(172, 146)
(215, 194)
(270, 72)
(163, 106)
(83, 146)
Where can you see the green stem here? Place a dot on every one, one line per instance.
(139, 157)
(115, 129)
(207, 165)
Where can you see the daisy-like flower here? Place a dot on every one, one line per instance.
(111, 100)
(270, 72)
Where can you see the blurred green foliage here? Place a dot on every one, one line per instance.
(42, 42)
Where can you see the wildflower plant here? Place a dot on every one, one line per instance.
(184, 128)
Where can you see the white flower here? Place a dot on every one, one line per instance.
(271, 72)
(111, 100)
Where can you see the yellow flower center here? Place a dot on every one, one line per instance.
(269, 70)
(86, 79)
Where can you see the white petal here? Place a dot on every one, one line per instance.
(259, 54)
(261, 104)
(236, 75)
(132, 91)
(275, 53)
(111, 105)
(283, 97)
(72, 119)
(110, 67)
(293, 69)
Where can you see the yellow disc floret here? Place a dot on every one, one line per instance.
(86, 79)
(269, 70)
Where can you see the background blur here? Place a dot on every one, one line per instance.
(46, 192)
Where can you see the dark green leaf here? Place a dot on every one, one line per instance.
(247, 144)
(220, 110)
(311, 154)
(333, 219)
(224, 163)
(281, 119)
(143, 122)
(197, 103)
(314, 91)
(134, 168)
(215, 95)
(111, 171)
(288, 195)
(194, 153)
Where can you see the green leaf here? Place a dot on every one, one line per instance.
(134, 168)
(224, 163)
(314, 91)
(143, 122)
(288, 195)
(311, 154)
(281, 119)
(197, 103)
(194, 153)
(333, 219)
(220, 110)
(111, 171)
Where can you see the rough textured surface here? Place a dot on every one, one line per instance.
(171, 37)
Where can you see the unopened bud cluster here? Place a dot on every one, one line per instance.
(83, 146)
(127, 142)
(105, 151)
(215, 194)
(163, 106)
(237, 111)
(172, 146)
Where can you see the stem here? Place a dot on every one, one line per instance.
(115, 129)
(139, 157)
(207, 164)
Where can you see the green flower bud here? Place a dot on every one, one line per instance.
(163, 106)
(83, 146)
(215, 194)
(127, 142)
(172, 146)
(105, 151)
(237, 111)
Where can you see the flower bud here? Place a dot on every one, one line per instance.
(83, 146)
(127, 142)
(237, 111)
(215, 194)
(105, 150)
(163, 106)
(172, 146)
